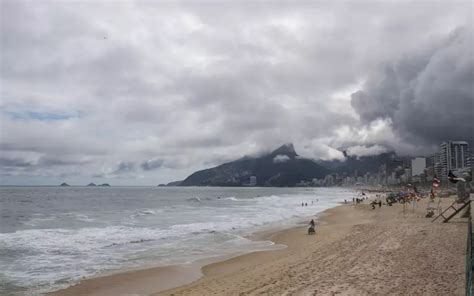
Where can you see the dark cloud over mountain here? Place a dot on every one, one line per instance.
(427, 94)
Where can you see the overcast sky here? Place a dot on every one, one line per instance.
(140, 93)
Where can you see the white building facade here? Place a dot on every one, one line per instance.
(418, 166)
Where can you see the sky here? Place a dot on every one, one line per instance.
(147, 92)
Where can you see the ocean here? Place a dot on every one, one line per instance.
(51, 237)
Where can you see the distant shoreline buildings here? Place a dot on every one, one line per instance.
(454, 156)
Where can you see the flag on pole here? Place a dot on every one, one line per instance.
(453, 179)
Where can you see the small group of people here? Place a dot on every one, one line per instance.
(305, 204)
(374, 203)
(358, 200)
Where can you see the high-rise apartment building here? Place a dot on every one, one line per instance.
(418, 166)
(452, 156)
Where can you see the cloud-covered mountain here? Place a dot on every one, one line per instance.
(281, 167)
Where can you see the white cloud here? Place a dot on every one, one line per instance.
(360, 150)
(281, 158)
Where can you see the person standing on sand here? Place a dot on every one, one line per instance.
(311, 223)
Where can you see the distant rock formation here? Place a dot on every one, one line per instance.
(64, 185)
(105, 185)
(91, 184)
(282, 168)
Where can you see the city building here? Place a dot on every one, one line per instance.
(418, 166)
(453, 156)
(407, 176)
(253, 181)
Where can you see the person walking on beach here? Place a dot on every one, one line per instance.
(373, 204)
(311, 229)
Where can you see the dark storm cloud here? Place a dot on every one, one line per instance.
(14, 163)
(49, 160)
(45, 165)
(201, 83)
(152, 164)
(428, 95)
(124, 167)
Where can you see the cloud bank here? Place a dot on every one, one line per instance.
(140, 93)
(427, 94)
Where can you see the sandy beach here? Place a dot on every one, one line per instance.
(356, 251)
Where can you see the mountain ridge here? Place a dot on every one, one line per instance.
(281, 167)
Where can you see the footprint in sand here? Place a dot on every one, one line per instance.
(389, 245)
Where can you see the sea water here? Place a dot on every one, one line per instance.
(51, 237)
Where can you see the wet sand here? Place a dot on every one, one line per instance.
(356, 251)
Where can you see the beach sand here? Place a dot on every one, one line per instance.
(356, 251)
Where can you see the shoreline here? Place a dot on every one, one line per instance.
(143, 280)
(289, 237)
(356, 251)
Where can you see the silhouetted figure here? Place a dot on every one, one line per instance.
(373, 204)
(311, 229)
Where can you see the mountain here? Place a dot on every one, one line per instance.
(282, 167)
(174, 183)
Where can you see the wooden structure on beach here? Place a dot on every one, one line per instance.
(451, 208)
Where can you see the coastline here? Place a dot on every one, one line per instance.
(356, 250)
(156, 279)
